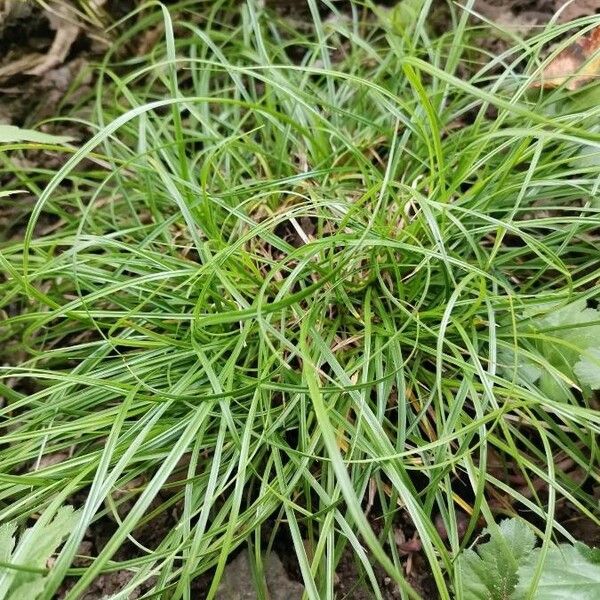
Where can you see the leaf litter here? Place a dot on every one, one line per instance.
(575, 66)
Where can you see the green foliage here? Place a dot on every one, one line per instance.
(35, 546)
(402, 17)
(274, 286)
(491, 572)
(505, 567)
(571, 572)
(567, 338)
(10, 134)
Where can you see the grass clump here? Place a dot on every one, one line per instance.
(286, 291)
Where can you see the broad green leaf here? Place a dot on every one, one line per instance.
(34, 548)
(490, 572)
(588, 369)
(525, 370)
(570, 344)
(30, 590)
(569, 572)
(504, 567)
(7, 544)
(575, 322)
(7, 540)
(591, 554)
(39, 542)
(9, 134)
(553, 387)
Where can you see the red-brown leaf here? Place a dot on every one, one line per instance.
(574, 66)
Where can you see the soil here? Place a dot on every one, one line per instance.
(27, 97)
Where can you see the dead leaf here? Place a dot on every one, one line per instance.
(49, 460)
(506, 20)
(11, 10)
(20, 65)
(66, 33)
(574, 66)
(149, 39)
(410, 546)
(462, 522)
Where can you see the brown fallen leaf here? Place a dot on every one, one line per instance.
(20, 65)
(506, 21)
(66, 34)
(574, 66)
(149, 39)
(410, 546)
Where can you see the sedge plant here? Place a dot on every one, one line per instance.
(292, 286)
